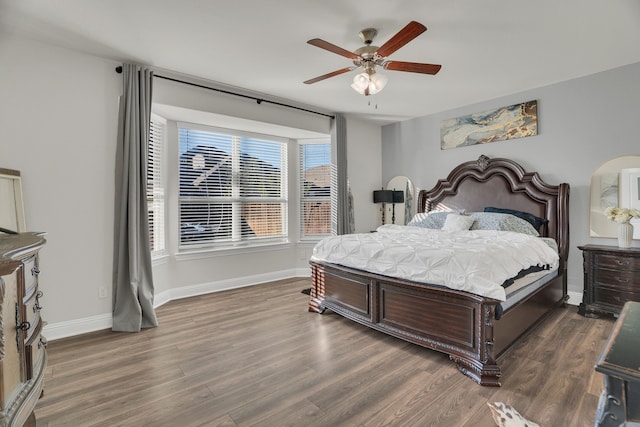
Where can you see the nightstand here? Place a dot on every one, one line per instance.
(611, 278)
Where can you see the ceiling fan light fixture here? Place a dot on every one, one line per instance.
(369, 84)
(360, 83)
(379, 81)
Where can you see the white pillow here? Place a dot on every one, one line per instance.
(455, 222)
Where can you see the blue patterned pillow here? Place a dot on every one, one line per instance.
(502, 222)
(536, 221)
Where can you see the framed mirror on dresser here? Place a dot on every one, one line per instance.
(616, 183)
(12, 216)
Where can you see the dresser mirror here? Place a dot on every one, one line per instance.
(401, 213)
(11, 205)
(614, 183)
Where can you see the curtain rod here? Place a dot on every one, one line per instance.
(258, 100)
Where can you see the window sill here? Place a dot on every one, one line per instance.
(186, 255)
(308, 242)
(159, 259)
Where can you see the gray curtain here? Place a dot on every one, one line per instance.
(343, 224)
(132, 274)
(408, 204)
(350, 214)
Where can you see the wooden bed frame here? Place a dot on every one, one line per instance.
(457, 323)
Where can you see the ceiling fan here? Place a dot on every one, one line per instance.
(368, 57)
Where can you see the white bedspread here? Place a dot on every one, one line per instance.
(474, 261)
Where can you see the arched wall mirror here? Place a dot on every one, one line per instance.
(401, 213)
(615, 183)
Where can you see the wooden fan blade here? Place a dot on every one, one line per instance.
(326, 76)
(404, 36)
(332, 48)
(412, 67)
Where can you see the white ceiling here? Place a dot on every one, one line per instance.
(487, 49)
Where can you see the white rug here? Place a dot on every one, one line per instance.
(505, 416)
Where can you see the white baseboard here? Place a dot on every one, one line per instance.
(70, 328)
(54, 331)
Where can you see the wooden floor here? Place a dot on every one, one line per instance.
(256, 357)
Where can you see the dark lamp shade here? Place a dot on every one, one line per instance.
(383, 196)
(398, 196)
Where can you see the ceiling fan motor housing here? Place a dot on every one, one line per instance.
(367, 35)
(366, 54)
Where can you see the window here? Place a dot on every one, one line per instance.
(233, 187)
(315, 189)
(155, 185)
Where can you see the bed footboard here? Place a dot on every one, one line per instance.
(456, 323)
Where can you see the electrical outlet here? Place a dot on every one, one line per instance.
(102, 292)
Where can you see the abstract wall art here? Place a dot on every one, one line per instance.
(514, 121)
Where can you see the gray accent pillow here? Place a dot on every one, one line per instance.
(434, 219)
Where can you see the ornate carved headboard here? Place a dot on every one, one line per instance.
(502, 183)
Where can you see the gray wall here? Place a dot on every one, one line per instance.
(58, 125)
(581, 124)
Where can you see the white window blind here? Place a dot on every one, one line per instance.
(315, 190)
(233, 187)
(155, 185)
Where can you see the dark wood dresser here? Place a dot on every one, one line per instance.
(23, 356)
(620, 363)
(611, 278)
